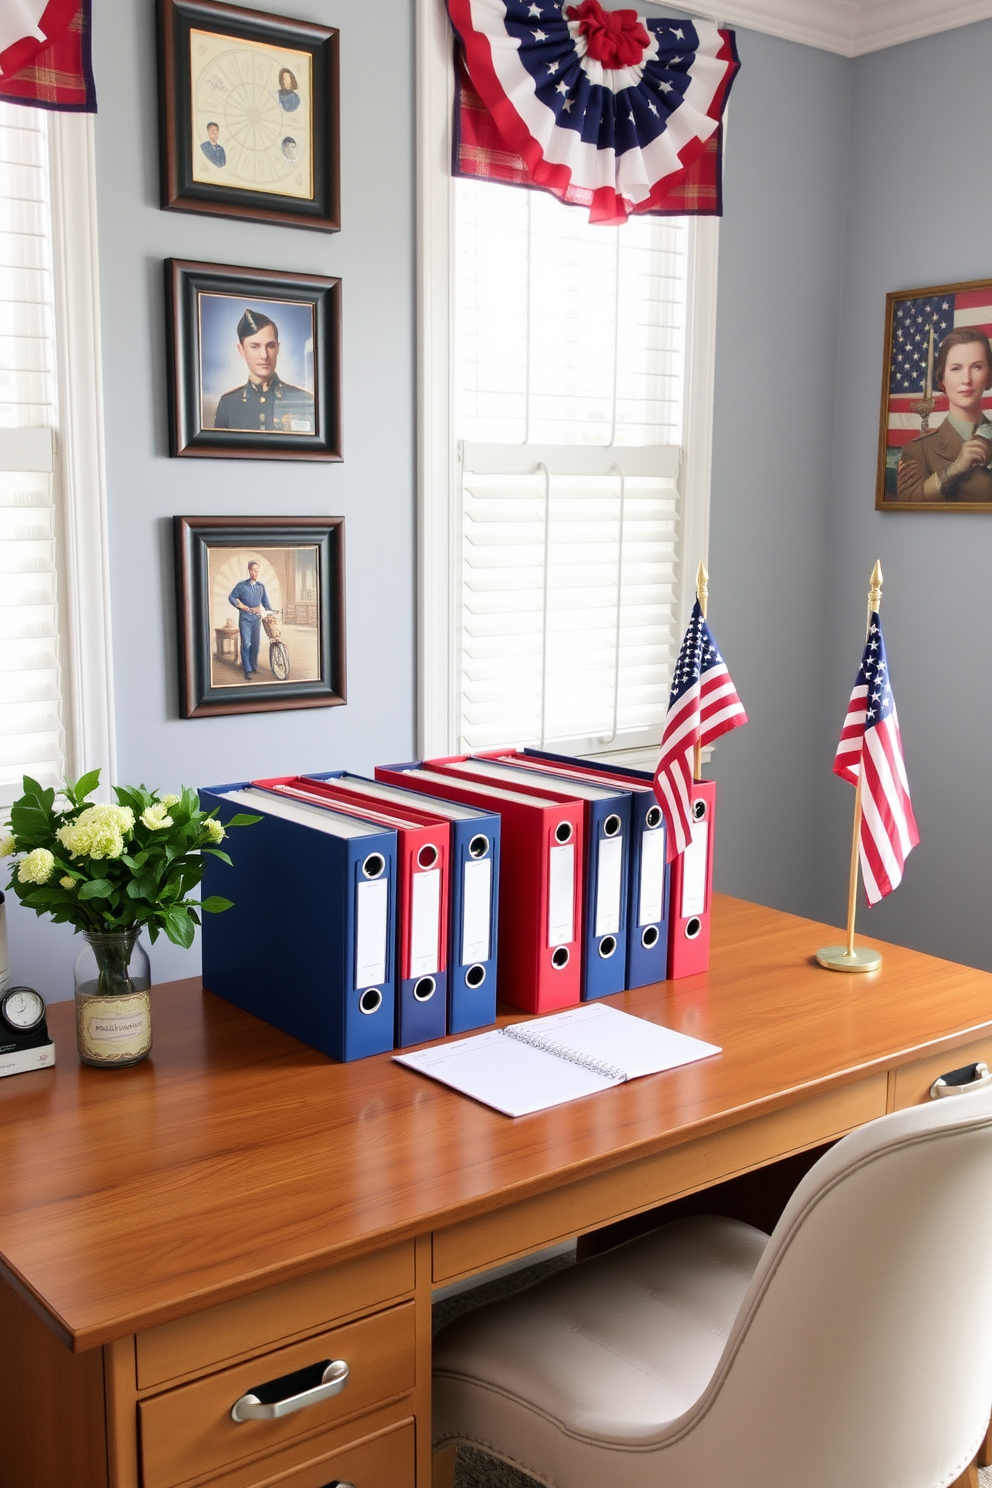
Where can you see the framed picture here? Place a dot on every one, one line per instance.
(261, 613)
(255, 363)
(248, 114)
(935, 436)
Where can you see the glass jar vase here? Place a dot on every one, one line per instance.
(113, 1007)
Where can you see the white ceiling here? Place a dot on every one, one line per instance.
(850, 27)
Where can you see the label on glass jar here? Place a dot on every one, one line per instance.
(113, 1029)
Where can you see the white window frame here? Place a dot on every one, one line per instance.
(77, 457)
(438, 530)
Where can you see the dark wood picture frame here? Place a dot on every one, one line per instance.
(186, 282)
(181, 191)
(201, 642)
(952, 307)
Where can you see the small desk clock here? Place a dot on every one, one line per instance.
(24, 1039)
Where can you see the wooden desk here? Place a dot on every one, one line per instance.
(238, 1206)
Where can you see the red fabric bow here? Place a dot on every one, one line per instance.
(615, 38)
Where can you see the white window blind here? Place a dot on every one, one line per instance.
(570, 361)
(32, 737)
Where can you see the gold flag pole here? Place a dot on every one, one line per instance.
(847, 957)
(702, 594)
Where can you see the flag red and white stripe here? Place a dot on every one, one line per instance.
(703, 705)
(869, 756)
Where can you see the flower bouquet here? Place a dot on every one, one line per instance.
(111, 870)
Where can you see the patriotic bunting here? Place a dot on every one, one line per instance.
(703, 705)
(869, 757)
(604, 109)
(45, 54)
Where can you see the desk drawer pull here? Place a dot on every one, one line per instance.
(960, 1081)
(269, 1402)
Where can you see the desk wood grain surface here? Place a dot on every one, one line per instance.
(235, 1157)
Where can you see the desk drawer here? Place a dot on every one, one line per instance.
(913, 1081)
(188, 1432)
(221, 1334)
(378, 1458)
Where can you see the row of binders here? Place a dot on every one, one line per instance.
(379, 913)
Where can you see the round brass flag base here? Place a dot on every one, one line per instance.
(835, 958)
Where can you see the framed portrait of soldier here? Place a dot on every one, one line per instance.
(261, 613)
(935, 434)
(249, 114)
(254, 363)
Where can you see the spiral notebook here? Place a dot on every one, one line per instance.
(530, 1066)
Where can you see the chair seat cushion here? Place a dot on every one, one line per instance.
(615, 1348)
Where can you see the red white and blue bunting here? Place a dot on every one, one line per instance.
(606, 109)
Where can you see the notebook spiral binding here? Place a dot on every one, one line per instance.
(524, 1035)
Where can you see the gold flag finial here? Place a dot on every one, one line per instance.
(875, 594)
(702, 586)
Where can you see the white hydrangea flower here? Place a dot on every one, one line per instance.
(36, 867)
(156, 817)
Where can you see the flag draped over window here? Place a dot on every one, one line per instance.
(603, 108)
(45, 54)
(869, 756)
(703, 705)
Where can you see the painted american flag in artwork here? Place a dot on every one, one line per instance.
(911, 323)
(869, 756)
(703, 704)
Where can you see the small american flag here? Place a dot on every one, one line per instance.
(703, 705)
(870, 738)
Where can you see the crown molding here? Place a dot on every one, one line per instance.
(849, 27)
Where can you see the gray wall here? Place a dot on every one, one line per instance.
(781, 261)
(919, 216)
(373, 488)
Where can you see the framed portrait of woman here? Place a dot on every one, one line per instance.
(248, 114)
(935, 435)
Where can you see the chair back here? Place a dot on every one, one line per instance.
(862, 1353)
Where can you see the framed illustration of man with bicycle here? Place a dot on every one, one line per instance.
(261, 613)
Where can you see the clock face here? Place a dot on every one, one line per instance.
(22, 1008)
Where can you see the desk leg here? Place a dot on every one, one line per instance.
(444, 1469)
(122, 1413)
(422, 1397)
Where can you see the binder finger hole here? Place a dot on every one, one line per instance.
(649, 937)
(563, 832)
(427, 856)
(374, 865)
(693, 927)
(559, 958)
(370, 1001)
(424, 989)
(699, 810)
(478, 847)
(607, 946)
(611, 826)
(475, 976)
(653, 816)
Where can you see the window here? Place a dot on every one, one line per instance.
(566, 387)
(54, 629)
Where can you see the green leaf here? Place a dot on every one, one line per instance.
(216, 905)
(217, 852)
(243, 819)
(178, 926)
(87, 784)
(32, 788)
(96, 888)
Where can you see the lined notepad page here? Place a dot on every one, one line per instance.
(517, 1079)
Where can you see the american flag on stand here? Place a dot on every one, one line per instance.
(869, 756)
(703, 704)
(911, 326)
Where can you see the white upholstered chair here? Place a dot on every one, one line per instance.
(853, 1349)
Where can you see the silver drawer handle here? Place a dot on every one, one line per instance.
(333, 1381)
(944, 1085)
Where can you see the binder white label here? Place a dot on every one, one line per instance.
(652, 878)
(561, 895)
(425, 917)
(370, 932)
(476, 910)
(694, 872)
(608, 886)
